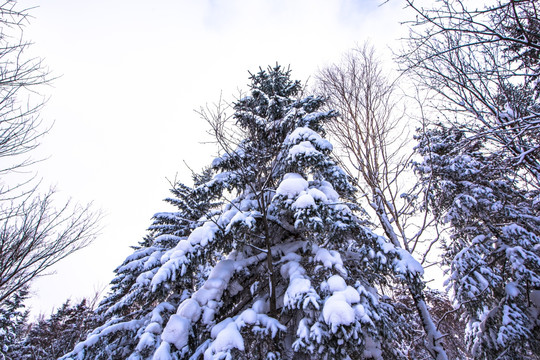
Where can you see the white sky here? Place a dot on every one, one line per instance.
(131, 74)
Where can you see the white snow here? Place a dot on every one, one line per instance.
(216, 329)
(184, 245)
(271, 325)
(228, 338)
(299, 286)
(248, 316)
(189, 309)
(337, 311)
(147, 340)
(242, 217)
(372, 349)
(330, 259)
(92, 339)
(203, 234)
(407, 264)
(351, 295)
(260, 306)
(305, 134)
(177, 331)
(153, 328)
(175, 259)
(512, 289)
(305, 148)
(327, 189)
(163, 352)
(336, 283)
(292, 185)
(217, 282)
(317, 194)
(304, 201)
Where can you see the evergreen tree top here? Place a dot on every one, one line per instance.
(274, 82)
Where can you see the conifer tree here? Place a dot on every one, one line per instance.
(50, 338)
(294, 272)
(493, 251)
(127, 313)
(481, 166)
(13, 318)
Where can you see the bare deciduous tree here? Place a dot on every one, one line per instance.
(370, 130)
(483, 65)
(34, 234)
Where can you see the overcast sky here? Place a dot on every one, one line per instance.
(130, 75)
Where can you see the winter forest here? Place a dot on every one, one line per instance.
(324, 225)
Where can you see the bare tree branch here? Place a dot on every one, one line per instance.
(34, 233)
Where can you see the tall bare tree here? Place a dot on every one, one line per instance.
(34, 234)
(370, 131)
(483, 65)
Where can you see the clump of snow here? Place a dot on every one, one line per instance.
(185, 246)
(146, 340)
(407, 264)
(299, 288)
(105, 330)
(304, 201)
(228, 338)
(245, 218)
(248, 316)
(292, 185)
(175, 259)
(163, 352)
(203, 234)
(305, 134)
(260, 306)
(336, 283)
(153, 328)
(372, 349)
(305, 148)
(351, 295)
(216, 283)
(270, 324)
(216, 329)
(387, 247)
(189, 309)
(327, 189)
(177, 331)
(330, 259)
(512, 289)
(317, 194)
(205, 299)
(337, 311)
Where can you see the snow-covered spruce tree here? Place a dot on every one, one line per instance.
(494, 248)
(48, 339)
(13, 318)
(294, 273)
(190, 207)
(135, 307)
